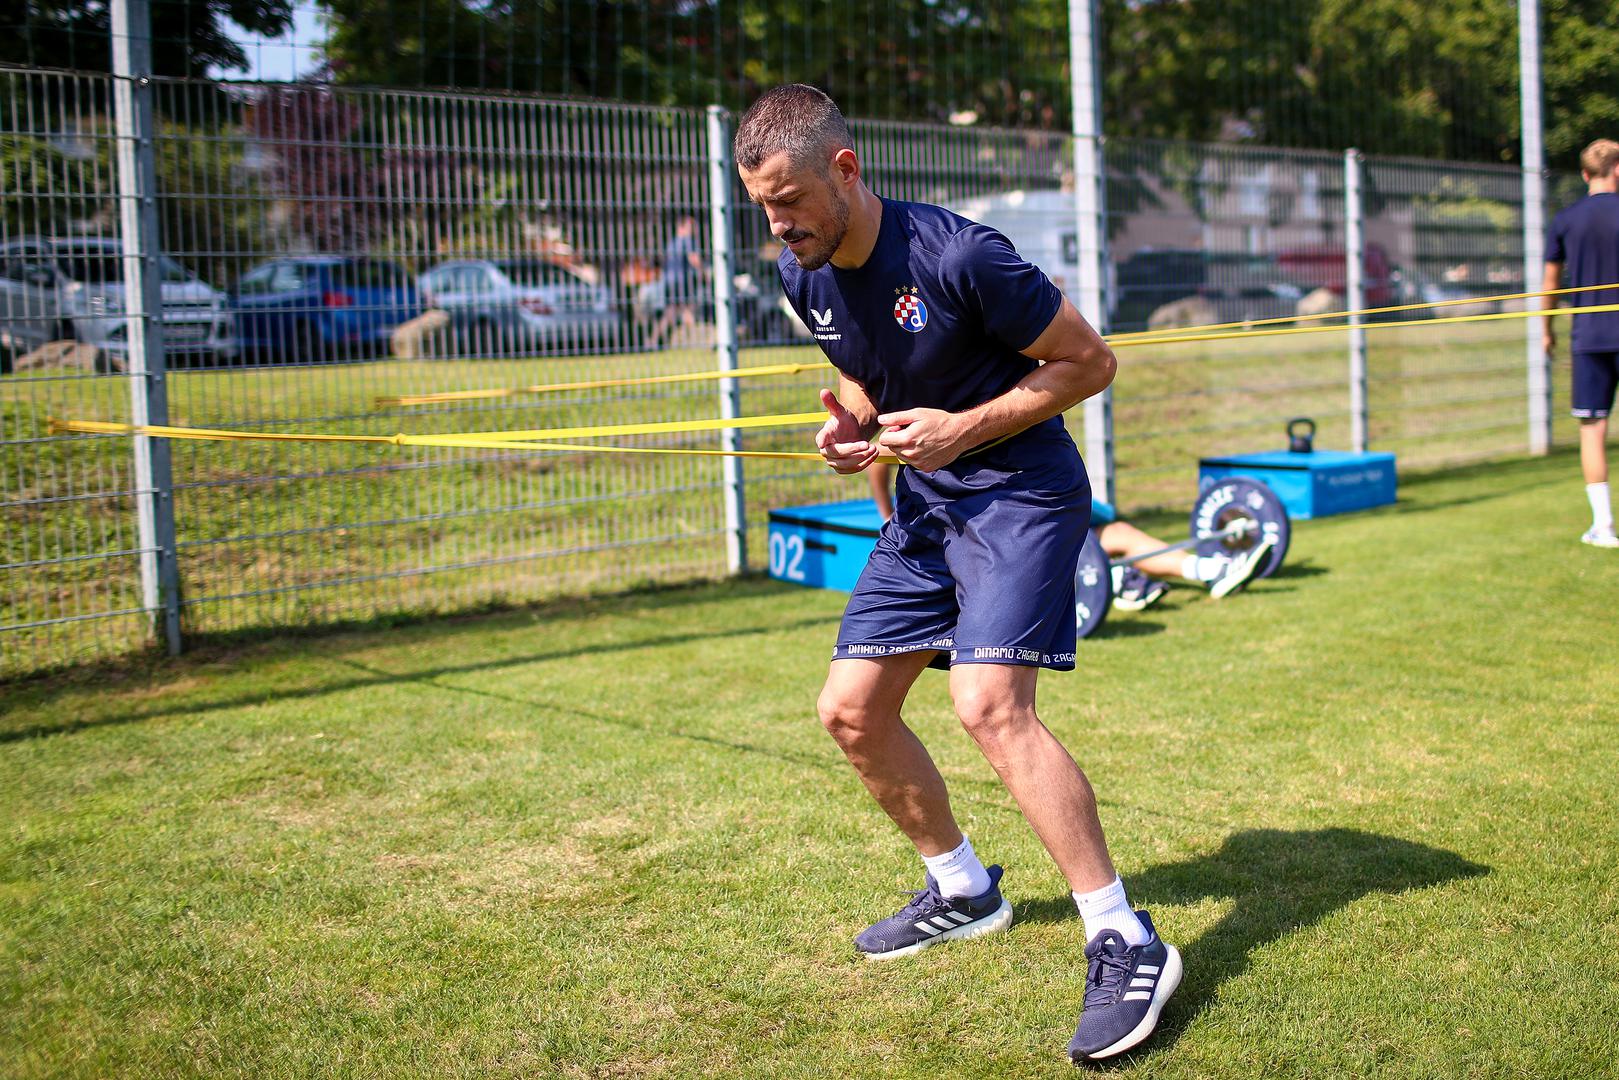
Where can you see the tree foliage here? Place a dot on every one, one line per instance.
(188, 36)
(917, 59)
(1436, 79)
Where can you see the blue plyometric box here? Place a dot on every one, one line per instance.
(825, 545)
(1311, 485)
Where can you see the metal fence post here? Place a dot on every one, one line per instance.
(143, 300)
(1534, 210)
(720, 221)
(1355, 297)
(1090, 215)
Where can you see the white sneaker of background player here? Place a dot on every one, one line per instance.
(1603, 538)
(1244, 566)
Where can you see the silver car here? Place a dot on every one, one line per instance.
(498, 305)
(54, 289)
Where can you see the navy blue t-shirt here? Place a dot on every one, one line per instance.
(1585, 239)
(935, 318)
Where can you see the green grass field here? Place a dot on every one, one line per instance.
(1372, 800)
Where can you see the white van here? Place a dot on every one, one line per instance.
(1041, 225)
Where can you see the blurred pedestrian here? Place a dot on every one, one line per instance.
(683, 272)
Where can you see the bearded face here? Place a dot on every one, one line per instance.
(807, 211)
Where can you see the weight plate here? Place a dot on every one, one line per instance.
(1093, 586)
(1241, 499)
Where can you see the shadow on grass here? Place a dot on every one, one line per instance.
(210, 647)
(1118, 626)
(831, 763)
(375, 677)
(1281, 881)
(1297, 570)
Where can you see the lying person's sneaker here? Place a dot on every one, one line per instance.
(1603, 538)
(1125, 990)
(931, 918)
(1243, 568)
(1137, 591)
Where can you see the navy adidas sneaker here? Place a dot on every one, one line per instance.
(1137, 591)
(1125, 990)
(931, 918)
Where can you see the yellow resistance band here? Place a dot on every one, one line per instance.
(1281, 331)
(525, 439)
(469, 438)
(594, 384)
(1118, 341)
(1147, 337)
(98, 427)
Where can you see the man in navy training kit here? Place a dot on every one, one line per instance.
(1585, 238)
(963, 356)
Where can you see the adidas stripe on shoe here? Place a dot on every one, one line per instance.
(931, 918)
(1125, 990)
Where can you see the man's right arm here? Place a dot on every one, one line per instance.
(1551, 280)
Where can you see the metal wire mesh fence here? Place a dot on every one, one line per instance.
(1439, 81)
(1203, 234)
(321, 248)
(307, 232)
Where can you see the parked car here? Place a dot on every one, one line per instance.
(322, 307)
(1326, 267)
(499, 306)
(1415, 287)
(72, 288)
(1236, 285)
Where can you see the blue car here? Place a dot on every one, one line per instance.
(318, 307)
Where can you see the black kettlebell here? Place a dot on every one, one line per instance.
(1301, 435)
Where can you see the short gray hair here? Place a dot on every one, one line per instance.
(796, 118)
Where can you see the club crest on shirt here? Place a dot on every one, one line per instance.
(909, 310)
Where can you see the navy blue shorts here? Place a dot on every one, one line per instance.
(1595, 376)
(977, 564)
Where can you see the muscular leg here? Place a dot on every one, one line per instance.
(1594, 450)
(859, 707)
(996, 705)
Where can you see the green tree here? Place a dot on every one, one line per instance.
(188, 36)
(1432, 79)
(1579, 92)
(922, 59)
(30, 165)
(1437, 79)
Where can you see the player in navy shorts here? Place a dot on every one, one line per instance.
(1583, 239)
(957, 357)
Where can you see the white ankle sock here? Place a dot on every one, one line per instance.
(1108, 909)
(1601, 508)
(1204, 568)
(958, 872)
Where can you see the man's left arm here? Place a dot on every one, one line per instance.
(1550, 281)
(1075, 363)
